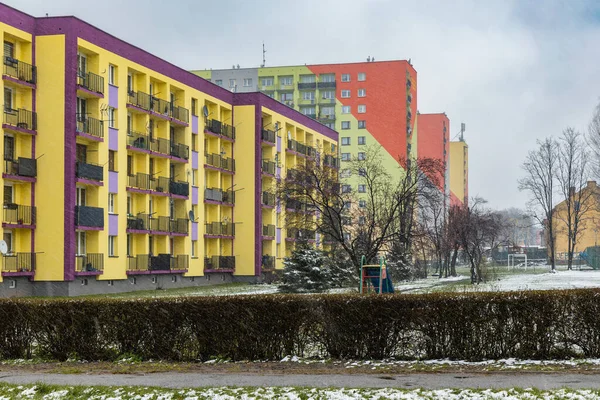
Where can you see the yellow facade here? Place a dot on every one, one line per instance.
(459, 167)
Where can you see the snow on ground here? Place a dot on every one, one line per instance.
(560, 280)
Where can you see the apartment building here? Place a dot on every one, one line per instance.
(368, 103)
(124, 172)
(459, 173)
(434, 142)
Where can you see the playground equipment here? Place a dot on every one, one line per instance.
(591, 255)
(374, 277)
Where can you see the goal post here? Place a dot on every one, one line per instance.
(512, 257)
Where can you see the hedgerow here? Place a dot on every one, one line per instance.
(473, 326)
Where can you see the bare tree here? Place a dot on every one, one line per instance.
(593, 140)
(572, 179)
(540, 168)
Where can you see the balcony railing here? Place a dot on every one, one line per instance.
(268, 230)
(296, 205)
(180, 150)
(160, 224)
(149, 103)
(26, 167)
(138, 222)
(292, 145)
(90, 262)
(268, 263)
(268, 199)
(89, 125)
(92, 217)
(326, 85)
(18, 214)
(300, 234)
(179, 225)
(267, 136)
(228, 131)
(160, 106)
(91, 81)
(138, 140)
(331, 161)
(20, 118)
(268, 167)
(160, 145)
(219, 262)
(181, 114)
(228, 164)
(220, 229)
(147, 262)
(20, 70)
(220, 128)
(216, 194)
(18, 262)
(307, 85)
(216, 160)
(180, 262)
(89, 171)
(179, 188)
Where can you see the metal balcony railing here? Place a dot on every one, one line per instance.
(268, 263)
(89, 125)
(26, 167)
(268, 167)
(180, 113)
(179, 225)
(180, 150)
(307, 85)
(220, 229)
(18, 214)
(138, 140)
(92, 217)
(331, 161)
(91, 81)
(90, 262)
(160, 145)
(89, 171)
(268, 230)
(326, 85)
(179, 188)
(220, 128)
(180, 262)
(267, 136)
(138, 222)
(300, 234)
(20, 118)
(20, 70)
(228, 164)
(268, 199)
(228, 131)
(216, 194)
(18, 262)
(219, 262)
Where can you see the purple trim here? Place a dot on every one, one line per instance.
(216, 271)
(218, 203)
(19, 178)
(18, 81)
(33, 144)
(257, 190)
(158, 115)
(194, 231)
(136, 190)
(194, 195)
(140, 231)
(218, 135)
(86, 228)
(113, 224)
(267, 143)
(88, 273)
(88, 137)
(113, 96)
(174, 271)
(194, 124)
(113, 139)
(278, 235)
(19, 130)
(113, 182)
(218, 237)
(89, 182)
(194, 159)
(178, 159)
(278, 144)
(268, 174)
(178, 122)
(225, 171)
(158, 232)
(267, 206)
(163, 194)
(172, 234)
(18, 273)
(294, 152)
(268, 238)
(17, 226)
(89, 92)
(176, 196)
(18, 19)
(137, 149)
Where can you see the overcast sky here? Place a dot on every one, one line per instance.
(513, 71)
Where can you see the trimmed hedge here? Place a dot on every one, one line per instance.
(474, 326)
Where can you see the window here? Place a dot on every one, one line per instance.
(346, 221)
(362, 76)
(112, 75)
(361, 220)
(362, 124)
(112, 246)
(345, 109)
(80, 243)
(308, 110)
(362, 172)
(81, 65)
(194, 248)
(346, 237)
(362, 188)
(362, 140)
(345, 141)
(112, 117)
(129, 245)
(194, 107)
(286, 80)
(286, 96)
(111, 203)
(345, 124)
(345, 156)
(330, 125)
(327, 78)
(267, 81)
(362, 108)
(362, 203)
(347, 204)
(8, 194)
(345, 77)
(9, 50)
(346, 172)
(129, 165)
(362, 92)
(129, 83)
(308, 95)
(346, 189)
(247, 82)
(328, 95)
(8, 99)
(307, 79)
(219, 82)
(111, 161)
(328, 111)
(232, 83)
(345, 94)
(362, 155)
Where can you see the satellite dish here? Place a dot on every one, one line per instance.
(192, 216)
(3, 247)
(205, 111)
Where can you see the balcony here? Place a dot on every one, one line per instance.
(89, 217)
(149, 103)
(148, 262)
(180, 150)
(90, 126)
(268, 230)
(220, 263)
(181, 114)
(268, 167)
(217, 161)
(326, 85)
(90, 262)
(179, 188)
(220, 128)
(139, 222)
(219, 195)
(160, 145)
(300, 234)
(268, 199)
(20, 119)
(20, 70)
(268, 136)
(179, 226)
(89, 171)
(22, 167)
(268, 263)
(18, 262)
(180, 262)
(220, 229)
(144, 181)
(331, 161)
(17, 215)
(92, 82)
(307, 85)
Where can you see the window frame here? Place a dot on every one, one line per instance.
(345, 93)
(346, 78)
(362, 108)
(346, 141)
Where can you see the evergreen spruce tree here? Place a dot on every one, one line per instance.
(306, 271)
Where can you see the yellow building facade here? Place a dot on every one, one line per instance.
(459, 173)
(124, 172)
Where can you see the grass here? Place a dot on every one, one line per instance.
(44, 391)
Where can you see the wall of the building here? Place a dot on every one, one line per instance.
(434, 143)
(459, 173)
